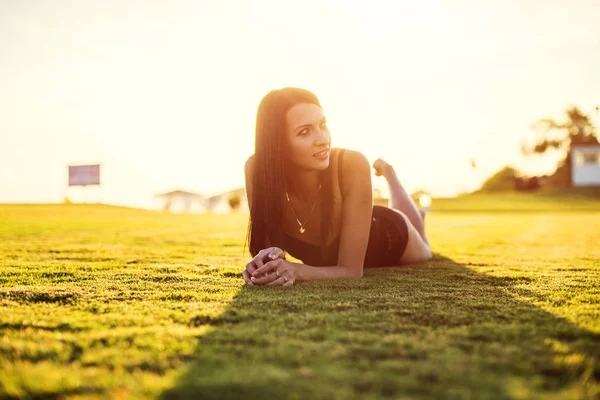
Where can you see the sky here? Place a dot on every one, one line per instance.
(164, 94)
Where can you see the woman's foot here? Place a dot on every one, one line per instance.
(381, 167)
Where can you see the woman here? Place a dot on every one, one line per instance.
(315, 202)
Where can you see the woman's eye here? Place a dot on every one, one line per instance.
(303, 132)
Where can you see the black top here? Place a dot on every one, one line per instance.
(387, 239)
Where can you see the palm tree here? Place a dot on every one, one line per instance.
(577, 129)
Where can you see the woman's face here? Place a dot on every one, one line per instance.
(306, 135)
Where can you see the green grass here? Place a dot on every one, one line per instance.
(544, 200)
(100, 301)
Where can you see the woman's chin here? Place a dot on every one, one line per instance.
(322, 166)
(315, 165)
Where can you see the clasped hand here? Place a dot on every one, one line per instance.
(276, 272)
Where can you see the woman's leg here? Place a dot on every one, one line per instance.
(417, 250)
(399, 199)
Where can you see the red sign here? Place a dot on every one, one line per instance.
(83, 175)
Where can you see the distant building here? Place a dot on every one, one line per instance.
(220, 204)
(586, 165)
(180, 201)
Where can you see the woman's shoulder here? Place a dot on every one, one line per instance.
(355, 171)
(353, 160)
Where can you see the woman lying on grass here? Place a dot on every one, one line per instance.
(315, 202)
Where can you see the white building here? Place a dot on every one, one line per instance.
(180, 201)
(586, 165)
(219, 204)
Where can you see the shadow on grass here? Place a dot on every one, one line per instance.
(439, 330)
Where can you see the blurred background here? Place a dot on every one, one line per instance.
(458, 95)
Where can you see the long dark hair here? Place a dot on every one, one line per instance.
(268, 180)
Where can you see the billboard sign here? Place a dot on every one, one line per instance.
(83, 175)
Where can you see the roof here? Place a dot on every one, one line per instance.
(586, 146)
(180, 193)
(238, 191)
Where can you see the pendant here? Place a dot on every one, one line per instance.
(302, 229)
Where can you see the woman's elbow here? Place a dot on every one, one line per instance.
(356, 273)
(353, 272)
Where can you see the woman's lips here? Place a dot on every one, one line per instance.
(322, 155)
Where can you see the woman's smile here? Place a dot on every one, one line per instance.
(322, 155)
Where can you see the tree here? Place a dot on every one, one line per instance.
(234, 201)
(505, 179)
(577, 129)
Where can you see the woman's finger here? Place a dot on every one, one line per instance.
(267, 267)
(276, 253)
(277, 282)
(250, 267)
(246, 276)
(288, 283)
(258, 259)
(262, 280)
(252, 264)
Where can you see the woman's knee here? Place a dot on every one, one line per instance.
(417, 254)
(417, 250)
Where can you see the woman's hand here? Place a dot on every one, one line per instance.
(278, 272)
(257, 262)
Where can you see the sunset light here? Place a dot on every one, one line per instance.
(165, 96)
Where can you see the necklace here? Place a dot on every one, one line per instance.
(302, 229)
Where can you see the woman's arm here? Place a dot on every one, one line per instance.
(290, 272)
(356, 222)
(356, 226)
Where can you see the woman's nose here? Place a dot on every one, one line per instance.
(324, 137)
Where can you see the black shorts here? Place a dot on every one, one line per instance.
(387, 239)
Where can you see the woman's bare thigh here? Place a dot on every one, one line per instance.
(416, 250)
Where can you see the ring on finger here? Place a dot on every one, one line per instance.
(277, 273)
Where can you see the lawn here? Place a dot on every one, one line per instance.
(102, 301)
